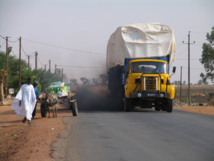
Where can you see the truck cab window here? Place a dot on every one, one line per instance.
(148, 67)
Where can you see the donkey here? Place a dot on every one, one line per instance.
(51, 100)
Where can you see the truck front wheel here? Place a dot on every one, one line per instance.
(169, 105)
(157, 108)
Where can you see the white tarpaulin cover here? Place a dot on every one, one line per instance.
(140, 41)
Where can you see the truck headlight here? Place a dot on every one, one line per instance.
(161, 95)
(139, 94)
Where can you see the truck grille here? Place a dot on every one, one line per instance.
(150, 84)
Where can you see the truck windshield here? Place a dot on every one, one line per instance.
(148, 67)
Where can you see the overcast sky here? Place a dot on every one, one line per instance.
(76, 32)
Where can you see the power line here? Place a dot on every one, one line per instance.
(65, 48)
(3, 37)
(182, 51)
(198, 32)
(181, 42)
(13, 41)
(198, 45)
(194, 68)
(79, 66)
(3, 43)
(192, 75)
(190, 59)
(9, 40)
(40, 61)
(13, 53)
(24, 51)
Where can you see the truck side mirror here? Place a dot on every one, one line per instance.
(174, 69)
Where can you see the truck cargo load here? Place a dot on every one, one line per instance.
(142, 40)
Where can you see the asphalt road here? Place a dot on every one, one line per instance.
(143, 135)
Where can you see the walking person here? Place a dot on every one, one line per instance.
(35, 83)
(24, 102)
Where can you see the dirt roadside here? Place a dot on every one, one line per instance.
(33, 142)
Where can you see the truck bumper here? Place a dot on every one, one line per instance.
(147, 95)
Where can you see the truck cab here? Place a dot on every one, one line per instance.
(147, 85)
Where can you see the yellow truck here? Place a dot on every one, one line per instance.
(138, 60)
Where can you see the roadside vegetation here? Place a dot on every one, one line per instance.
(13, 73)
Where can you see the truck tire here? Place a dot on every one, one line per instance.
(157, 108)
(169, 105)
(43, 110)
(74, 108)
(117, 96)
(127, 105)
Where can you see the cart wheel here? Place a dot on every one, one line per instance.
(43, 110)
(74, 108)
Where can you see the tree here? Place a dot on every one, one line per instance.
(176, 82)
(74, 82)
(104, 79)
(200, 82)
(84, 80)
(13, 73)
(95, 82)
(207, 59)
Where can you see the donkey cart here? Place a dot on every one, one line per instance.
(68, 100)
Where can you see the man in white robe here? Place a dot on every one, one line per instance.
(24, 102)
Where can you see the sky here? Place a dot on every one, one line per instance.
(73, 34)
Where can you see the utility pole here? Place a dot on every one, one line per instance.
(6, 79)
(49, 68)
(20, 46)
(45, 71)
(62, 74)
(36, 62)
(189, 96)
(28, 62)
(55, 71)
(181, 86)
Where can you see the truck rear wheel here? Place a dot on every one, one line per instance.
(169, 105)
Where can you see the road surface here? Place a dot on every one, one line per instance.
(143, 135)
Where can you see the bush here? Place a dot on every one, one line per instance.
(185, 100)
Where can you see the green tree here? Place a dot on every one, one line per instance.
(200, 82)
(207, 59)
(104, 79)
(176, 82)
(13, 73)
(84, 80)
(74, 82)
(13, 70)
(184, 82)
(95, 82)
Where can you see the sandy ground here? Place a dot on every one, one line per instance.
(207, 110)
(33, 142)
